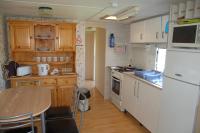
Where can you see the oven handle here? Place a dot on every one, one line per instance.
(116, 79)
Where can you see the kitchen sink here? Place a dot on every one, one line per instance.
(150, 75)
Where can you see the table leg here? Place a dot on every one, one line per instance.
(42, 116)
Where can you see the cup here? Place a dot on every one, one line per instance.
(44, 59)
(67, 58)
(61, 58)
(49, 59)
(38, 59)
(55, 59)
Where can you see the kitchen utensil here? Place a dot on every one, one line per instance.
(43, 69)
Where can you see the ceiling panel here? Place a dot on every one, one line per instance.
(89, 10)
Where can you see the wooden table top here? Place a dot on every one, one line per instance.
(16, 101)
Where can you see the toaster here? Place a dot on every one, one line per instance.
(24, 70)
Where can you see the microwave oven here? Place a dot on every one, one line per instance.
(186, 36)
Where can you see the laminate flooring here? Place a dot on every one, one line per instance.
(104, 117)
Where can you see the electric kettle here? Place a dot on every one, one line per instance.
(43, 69)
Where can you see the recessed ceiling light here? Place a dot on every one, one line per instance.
(111, 18)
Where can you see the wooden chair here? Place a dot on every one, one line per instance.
(15, 124)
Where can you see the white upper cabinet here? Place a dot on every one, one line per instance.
(153, 30)
(150, 31)
(137, 32)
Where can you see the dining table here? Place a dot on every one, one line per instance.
(17, 101)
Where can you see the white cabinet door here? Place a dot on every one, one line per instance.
(149, 98)
(128, 93)
(153, 30)
(137, 32)
(164, 35)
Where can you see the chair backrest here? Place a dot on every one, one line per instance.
(14, 122)
(75, 105)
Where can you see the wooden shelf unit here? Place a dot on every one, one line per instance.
(31, 40)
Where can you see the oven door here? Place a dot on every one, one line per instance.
(116, 85)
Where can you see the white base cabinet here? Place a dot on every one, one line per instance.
(142, 101)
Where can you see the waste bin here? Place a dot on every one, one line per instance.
(84, 95)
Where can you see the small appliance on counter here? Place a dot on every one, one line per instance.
(24, 70)
(43, 69)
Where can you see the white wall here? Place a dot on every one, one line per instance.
(112, 58)
(3, 50)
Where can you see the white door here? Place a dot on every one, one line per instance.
(137, 32)
(149, 106)
(179, 102)
(153, 29)
(164, 35)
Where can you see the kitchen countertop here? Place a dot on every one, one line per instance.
(143, 80)
(43, 77)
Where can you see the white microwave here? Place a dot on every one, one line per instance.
(186, 36)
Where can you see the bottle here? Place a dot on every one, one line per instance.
(112, 41)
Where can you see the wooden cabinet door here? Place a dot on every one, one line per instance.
(64, 95)
(21, 35)
(65, 37)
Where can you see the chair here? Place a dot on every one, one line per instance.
(14, 124)
(60, 120)
(63, 112)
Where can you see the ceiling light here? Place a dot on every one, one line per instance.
(125, 14)
(111, 18)
(45, 11)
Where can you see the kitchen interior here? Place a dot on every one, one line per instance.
(117, 65)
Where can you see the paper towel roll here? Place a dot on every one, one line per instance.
(174, 12)
(197, 9)
(189, 9)
(182, 8)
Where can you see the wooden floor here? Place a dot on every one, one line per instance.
(104, 117)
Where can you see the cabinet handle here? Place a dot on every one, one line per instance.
(31, 37)
(141, 36)
(57, 38)
(134, 87)
(156, 35)
(162, 35)
(138, 89)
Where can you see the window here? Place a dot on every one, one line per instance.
(160, 59)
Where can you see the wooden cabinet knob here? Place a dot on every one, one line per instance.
(57, 37)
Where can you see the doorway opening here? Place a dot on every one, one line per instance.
(95, 46)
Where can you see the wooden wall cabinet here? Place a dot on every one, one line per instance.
(22, 36)
(65, 39)
(61, 91)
